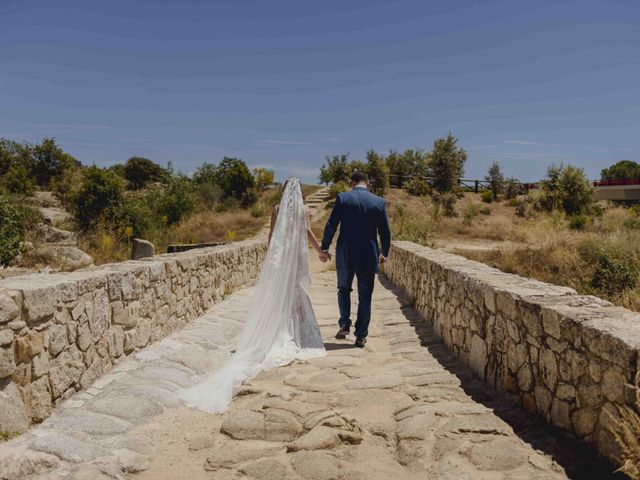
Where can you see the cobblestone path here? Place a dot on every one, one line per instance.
(402, 408)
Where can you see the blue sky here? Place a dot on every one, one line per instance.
(284, 83)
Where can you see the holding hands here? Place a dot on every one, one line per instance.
(324, 256)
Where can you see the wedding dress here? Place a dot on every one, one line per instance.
(281, 325)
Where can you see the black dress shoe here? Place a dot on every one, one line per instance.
(342, 333)
(360, 341)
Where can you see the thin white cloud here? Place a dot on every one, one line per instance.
(282, 142)
(533, 156)
(527, 142)
(482, 147)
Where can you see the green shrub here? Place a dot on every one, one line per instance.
(419, 187)
(18, 181)
(514, 202)
(176, 200)
(566, 188)
(337, 169)
(11, 232)
(227, 205)
(99, 197)
(263, 177)
(258, 210)
(135, 217)
(487, 196)
(208, 194)
(471, 212)
(522, 209)
(249, 197)
(139, 172)
(485, 211)
(632, 223)
(578, 222)
(511, 188)
(337, 188)
(445, 203)
(615, 272)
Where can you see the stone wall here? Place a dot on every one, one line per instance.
(59, 332)
(569, 357)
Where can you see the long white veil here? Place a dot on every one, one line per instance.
(280, 325)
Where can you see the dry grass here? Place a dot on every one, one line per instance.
(542, 245)
(627, 435)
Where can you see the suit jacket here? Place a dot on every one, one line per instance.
(362, 216)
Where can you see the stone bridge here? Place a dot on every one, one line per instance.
(468, 373)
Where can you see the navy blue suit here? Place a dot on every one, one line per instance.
(362, 217)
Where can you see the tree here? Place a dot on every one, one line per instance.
(14, 153)
(447, 163)
(100, 196)
(566, 188)
(337, 169)
(233, 177)
(622, 170)
(140, 171)
(263, 177)
(378, 173)
(495, 177)
(50, 161)
(205, 173)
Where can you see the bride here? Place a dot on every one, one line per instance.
(280, 326)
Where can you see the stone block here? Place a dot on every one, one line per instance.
(29, 345)
(57, 338)
(13, 412)
(7, 362)
(8, 308)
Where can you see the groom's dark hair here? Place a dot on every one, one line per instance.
(357, 177)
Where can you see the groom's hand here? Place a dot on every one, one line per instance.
(382, 259)
(324, 256)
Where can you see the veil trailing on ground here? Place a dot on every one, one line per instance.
(280, 325)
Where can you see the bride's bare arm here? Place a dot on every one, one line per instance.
(312, 237)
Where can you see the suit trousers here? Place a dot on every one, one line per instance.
(366, 280)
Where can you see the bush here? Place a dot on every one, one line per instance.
(511, 188)
(487, 196)
(578, 222)
(471, 212)
(615, 272)
(11, 232)
(50, 161)
(378, 173)
(485, 211)
(18, 181)
(228, 204)
(208, 194)
(522, 209)
(419, 187)
(445, 203)
(447, 163)
(263, 177)
(337, 188)
(99, 197)
(249, 197)
(566, 188)
(258, 210)
(175, 201)
(495, 177)
(139, 172)
(632, 223)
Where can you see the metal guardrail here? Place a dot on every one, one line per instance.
(467, 185)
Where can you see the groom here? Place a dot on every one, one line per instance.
(362, 216)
